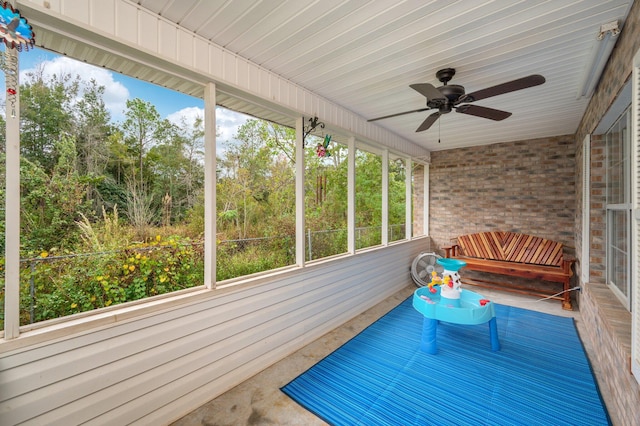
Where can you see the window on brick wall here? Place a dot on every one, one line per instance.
(618, 196)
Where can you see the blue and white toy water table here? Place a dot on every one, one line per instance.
(447, 301)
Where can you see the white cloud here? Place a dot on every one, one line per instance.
(115, 95)
(189, 116)
(227, 123)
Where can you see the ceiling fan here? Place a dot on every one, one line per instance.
(452, 96)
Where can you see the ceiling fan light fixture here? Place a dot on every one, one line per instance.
(446, 108)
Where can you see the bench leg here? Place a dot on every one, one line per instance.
(566, 297)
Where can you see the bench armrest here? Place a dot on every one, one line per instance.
(451, 251)
(567, 263)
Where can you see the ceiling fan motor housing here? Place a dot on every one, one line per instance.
(452, 93)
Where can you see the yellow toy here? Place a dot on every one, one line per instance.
(448, 281)
(435, 280)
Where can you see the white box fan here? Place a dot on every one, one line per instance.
(422, 267)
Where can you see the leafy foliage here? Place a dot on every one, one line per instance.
(65, 285)
(114, 212)
(51, 203)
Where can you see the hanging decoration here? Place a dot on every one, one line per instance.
(321, 188)
(308, 128)
(322, 149)
(16, 34)
(10, 68)
(15, 31)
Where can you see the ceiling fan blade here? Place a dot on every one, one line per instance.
(397, 114)
(510, 86)
(427, 90)
(428, 122)
(484, 112)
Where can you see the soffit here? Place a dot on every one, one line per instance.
(364, 54)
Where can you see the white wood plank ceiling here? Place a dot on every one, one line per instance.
(364, 54)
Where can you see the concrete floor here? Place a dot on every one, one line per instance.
(259, 401)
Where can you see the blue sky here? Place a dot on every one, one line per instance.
(118, 88)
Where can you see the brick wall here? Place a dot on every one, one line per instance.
(599, 308)
(609, 328)
(525, 186)
(616, 73)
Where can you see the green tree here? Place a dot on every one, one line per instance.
(256, 178)
(92, 131)
(397, 198)
(121, 162)
(45, 112)
(244, 179)
(177, 167)
(3, 139)
(326, 199)
(142, 129)
(369, 197)
(51, 204)
(193, 178)
(112, 185)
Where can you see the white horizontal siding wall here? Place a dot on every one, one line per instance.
(121, 25)
(153, 369)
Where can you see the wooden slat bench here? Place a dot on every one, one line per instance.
(517, 255)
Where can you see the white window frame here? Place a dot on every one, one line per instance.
(635, 222)
(585, 262)
(84, 320)
(624, 207)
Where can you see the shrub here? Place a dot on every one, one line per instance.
(64, 285)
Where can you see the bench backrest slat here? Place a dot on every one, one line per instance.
(512, 247)
(484, 245)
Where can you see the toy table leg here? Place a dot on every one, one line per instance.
(428, 343)
(493, 334)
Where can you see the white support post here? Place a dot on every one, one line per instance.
(12, 202)
(385, 197)
(408, 194)
(425, 201)
(210, 230)
(300, 223)
(351, 195)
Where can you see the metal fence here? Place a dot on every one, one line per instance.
(318, 244)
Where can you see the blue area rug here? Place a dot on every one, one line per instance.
(541, 375)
